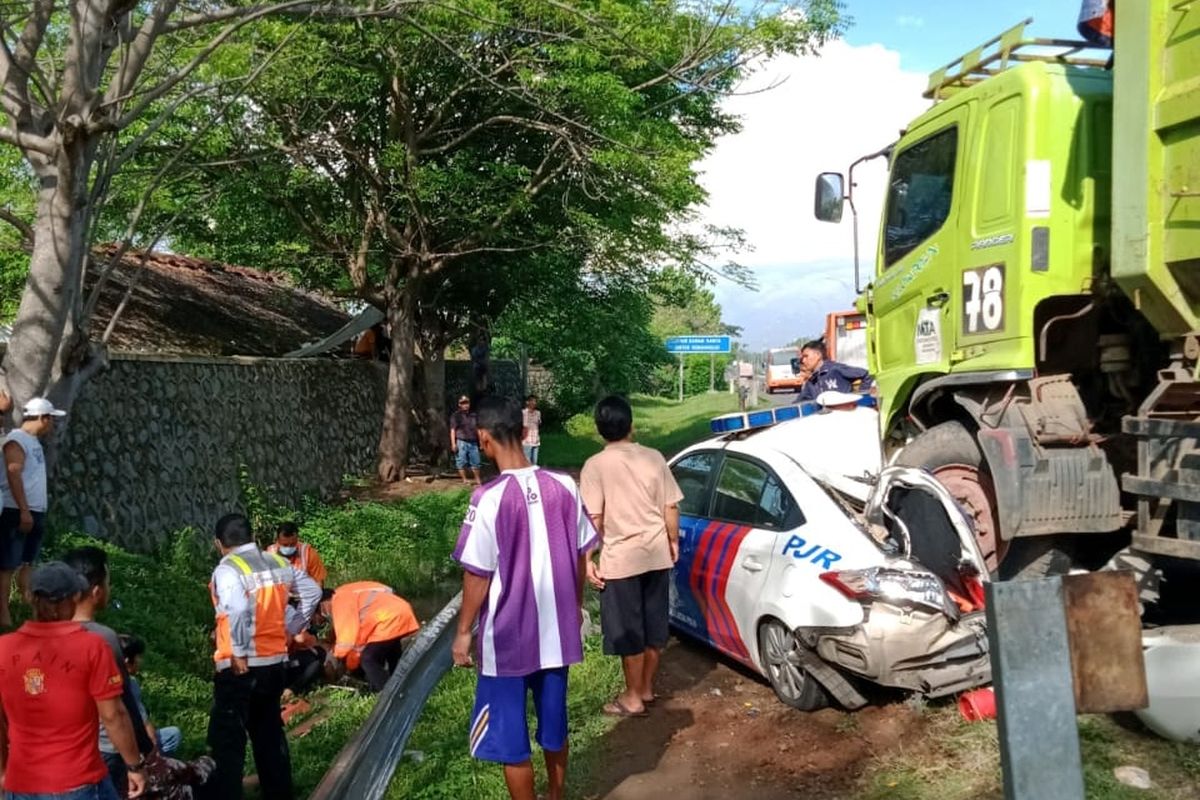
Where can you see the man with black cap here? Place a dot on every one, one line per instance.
(56, 680)
(464, 439)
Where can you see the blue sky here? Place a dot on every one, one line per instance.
(930, 33)
(827, 111)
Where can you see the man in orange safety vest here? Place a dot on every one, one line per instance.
(250, 591)
(369, 623)
(302, 555)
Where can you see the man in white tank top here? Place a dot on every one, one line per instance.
(24, 498)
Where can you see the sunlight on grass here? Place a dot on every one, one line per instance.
(957, 760)
(438, 764)
(660, 423)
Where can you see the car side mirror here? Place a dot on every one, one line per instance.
(830, 196)
(795, 366)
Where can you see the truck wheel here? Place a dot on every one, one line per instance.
(950, 452)
(791, 682)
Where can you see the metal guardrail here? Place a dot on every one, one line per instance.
(364, 767)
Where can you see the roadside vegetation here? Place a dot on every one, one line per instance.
(658, 422)
(164, 599)
(956, 760)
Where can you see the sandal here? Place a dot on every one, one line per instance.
(617, 709)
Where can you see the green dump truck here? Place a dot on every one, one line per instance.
(1034, 312)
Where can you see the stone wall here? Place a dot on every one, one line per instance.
(155, 444)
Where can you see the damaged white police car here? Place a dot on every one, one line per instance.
(803, 559)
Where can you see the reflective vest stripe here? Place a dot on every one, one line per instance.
(266, 580)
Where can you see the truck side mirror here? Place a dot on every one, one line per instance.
(830, 196)
(795, 366)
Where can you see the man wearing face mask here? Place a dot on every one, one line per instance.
(302, 555)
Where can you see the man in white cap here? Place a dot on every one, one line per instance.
(24, 498)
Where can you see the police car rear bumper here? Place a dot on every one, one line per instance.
(915, 649)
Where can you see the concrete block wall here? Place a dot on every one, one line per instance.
(155, 443)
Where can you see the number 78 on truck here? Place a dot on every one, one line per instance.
(1033, 313)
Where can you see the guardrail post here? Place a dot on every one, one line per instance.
(1035, 699)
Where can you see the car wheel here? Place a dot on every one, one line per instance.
(791, 682)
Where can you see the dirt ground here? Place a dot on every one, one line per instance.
(719, 732)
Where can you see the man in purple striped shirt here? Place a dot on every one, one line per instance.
(523, 549)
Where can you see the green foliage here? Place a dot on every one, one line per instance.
(580, 426)
(447, 769)
(657, 422)
(405, 545)
(527, 168)
(164, 599)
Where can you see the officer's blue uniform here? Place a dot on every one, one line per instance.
(833, 376)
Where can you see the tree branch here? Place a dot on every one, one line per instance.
(138, 52)
(297, 7)
(23, 228)
(499, 119)
(27, 141)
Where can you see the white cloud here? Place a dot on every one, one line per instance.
(829, 111)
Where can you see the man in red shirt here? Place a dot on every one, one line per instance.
(55, 680)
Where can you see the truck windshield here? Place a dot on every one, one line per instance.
(922, 185)
(782, 358)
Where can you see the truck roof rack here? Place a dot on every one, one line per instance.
(993, 57)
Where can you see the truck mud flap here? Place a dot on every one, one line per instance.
(1047, 471)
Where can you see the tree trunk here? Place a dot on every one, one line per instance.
(481, 360)
(437, 427)
(398, 404)
(49, 354)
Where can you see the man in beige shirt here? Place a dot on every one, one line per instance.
(633, 499)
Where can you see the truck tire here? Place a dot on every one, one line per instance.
(949, 451)
(1035, 557)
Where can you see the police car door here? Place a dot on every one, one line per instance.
(694, 473)
(750, 506)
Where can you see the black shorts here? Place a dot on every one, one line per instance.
(633, 613)
(18, 548)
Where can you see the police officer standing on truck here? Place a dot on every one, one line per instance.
(828, 376)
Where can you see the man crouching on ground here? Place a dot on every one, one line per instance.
(523, 546)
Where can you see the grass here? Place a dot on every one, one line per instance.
(664, 424)
(956, 760)
(164, 600)
(445, 769)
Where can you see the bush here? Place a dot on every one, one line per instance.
(582, 425)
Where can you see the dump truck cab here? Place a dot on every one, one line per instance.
(1035, 301)
(996, 218)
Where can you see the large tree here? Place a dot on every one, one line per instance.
(473, 148)
(76, 78)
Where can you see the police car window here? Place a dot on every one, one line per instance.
(919, 194)
(691, 473)
(739, 488)
(777, 508)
